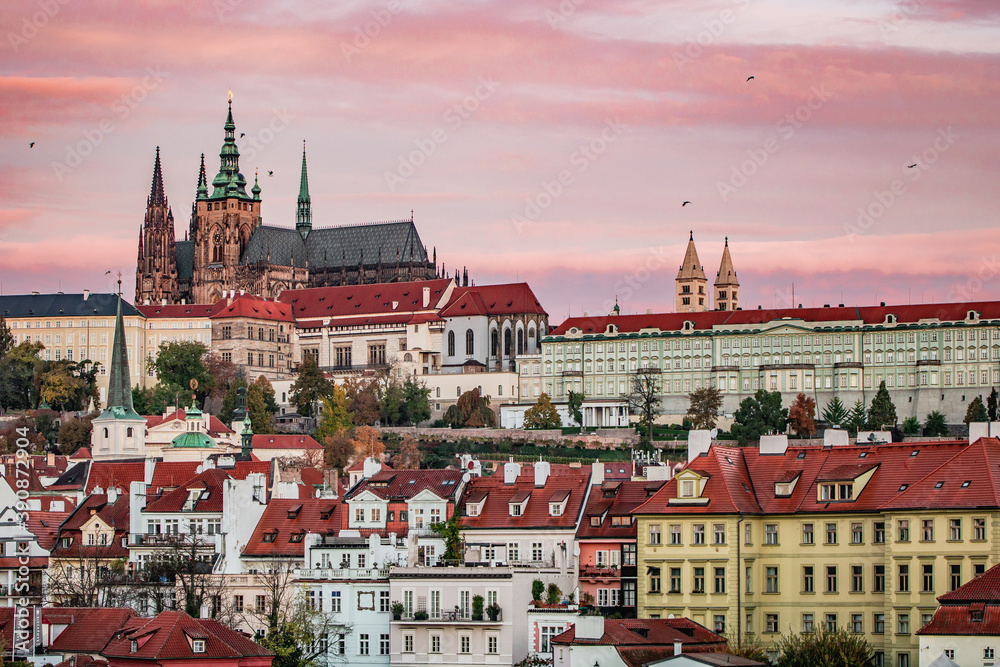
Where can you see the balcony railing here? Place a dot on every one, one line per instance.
(342, 573)
(31, 592)
(454, 616)
(599, 572)
(170, 539)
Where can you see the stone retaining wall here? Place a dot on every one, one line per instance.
(590, 440)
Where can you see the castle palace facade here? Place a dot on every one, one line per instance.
(227, 249)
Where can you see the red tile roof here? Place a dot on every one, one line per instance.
(209, 482)
(955, 615)
(115, 516)
(738, 319)
(285, 441)
(390, 484)
(45, 526)
(253, 307)
(509, 299)
(82, 453)
(610, 500)
(495, 512)
(215, 425)
(309, 518)
(154, 311)
(165, 637)
(121, 474)
(647, 632)
(88, 629)
(173, 474)
(357, 300)
(984, 588)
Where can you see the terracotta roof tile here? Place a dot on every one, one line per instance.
(357, 300)
(647, 632)
(391, 484)
(285, 441)
(165, 637)
(253, 307)
(88, 628)
(493, 300)
(314, 515)
(496, 509)
(615, 500)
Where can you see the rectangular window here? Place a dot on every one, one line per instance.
(435, 644)
(903, 624)
(956, 575)
(771, 578)
(955, 529)
(654, 580)
(699, 533)
(771, 623)
(720, 580)
(675, 534)
(771, 533)
(675, 580)
(857, 623)
(465, 644)
(878, 626)
(699, 580)
(979, 528)
(903, 579)
(878, 532)
(808, 579)
(927, 530)
(492, 645)
(408, 643)
(363, 644)
(807, 623)
(383, 644)
(807, 533)
(831, 579)
(878, 580)
(719, 533)
(831, 533)
(903, 530)
(831, 622)
(928, 577)
(857, 533)
(654, 534)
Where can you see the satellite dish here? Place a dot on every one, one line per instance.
(714, 433)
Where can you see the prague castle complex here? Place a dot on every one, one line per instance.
(228, 248)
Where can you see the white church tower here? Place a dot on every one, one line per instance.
(119, 431)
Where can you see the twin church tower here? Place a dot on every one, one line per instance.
(692, 285)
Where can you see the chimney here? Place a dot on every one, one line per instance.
(163, 302)
(511, 471)
(678, 648)
(773, 444)
(50, 458)
(427, 297)
(597, 472)
(542, 470)
(112, 495)
(86, 294)
(589, 627)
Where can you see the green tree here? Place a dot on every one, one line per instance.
(310, 387)
(335, 418)
(339, 449)
(911, 426)
(881, 413)
(574, 401)
(542, 414)
(835, 413)
(259, 406)
(991, 405)
(643, 399)
(703, 407)
(391, 403)
(155, 400)
(60, 389)
(471, 411)
(856, 418)
(935, 426)
(6, 338)
(231, 400)
(17, 374)
(362, 401)
(801, 416)
(177, 363)
(75, 433)
(825, 649)
(747, 646)
(537, 589)
(416, 401)
(759, 415)
(976, 412)
(451, 532)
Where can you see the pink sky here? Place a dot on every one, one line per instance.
(636, 105)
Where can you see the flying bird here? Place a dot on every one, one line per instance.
(685, 204)
(749, 77)
(270, 173)
(911, 166)
(31, 145)
(242, 134)
(106, 272)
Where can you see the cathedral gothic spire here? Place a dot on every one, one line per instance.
(303, 216)
(156, 264)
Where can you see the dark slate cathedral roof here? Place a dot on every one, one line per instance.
(334, 247)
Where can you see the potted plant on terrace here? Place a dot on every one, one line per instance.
(477, 607)
(420, 615)
(493, 611)
(397, 610)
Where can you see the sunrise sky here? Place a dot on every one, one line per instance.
(471, 113)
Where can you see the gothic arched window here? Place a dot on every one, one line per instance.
(520, 341)
(506, 343)
(451, 343)
(470, 342)
(494, 344)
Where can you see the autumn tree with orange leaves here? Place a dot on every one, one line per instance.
(802, 416)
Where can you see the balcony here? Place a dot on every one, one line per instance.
(574, 374)
(12, 591)
(323, 574)
(929, 362)
(454, 617)
(170, 539)
(594, 572)
(358, 368)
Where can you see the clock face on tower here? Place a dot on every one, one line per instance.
(217, 237)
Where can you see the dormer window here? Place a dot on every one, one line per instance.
(687, 488)
(134, 647)
(293, 512)
(556, 509)
(972, 316)
(270, 536)
(518, 502)
(890, 319)
(783, 489)
(595, 521)
(198, 646)
(516, 509)
(827, 491)
(296, 537)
